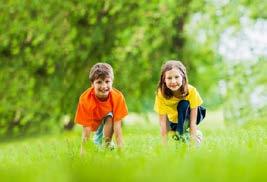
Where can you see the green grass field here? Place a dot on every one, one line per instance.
(226, 154)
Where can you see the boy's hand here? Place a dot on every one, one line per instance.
(82, 151)
(118, 134)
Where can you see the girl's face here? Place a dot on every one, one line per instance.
(173, 79)
(102, 87)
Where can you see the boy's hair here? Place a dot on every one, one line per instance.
(101, 70)
(169, 65)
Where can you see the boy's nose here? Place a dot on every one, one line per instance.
(104, 85)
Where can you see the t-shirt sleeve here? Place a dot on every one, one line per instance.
(159, 105)
(120, 108)
(81, 114)
(195, 99)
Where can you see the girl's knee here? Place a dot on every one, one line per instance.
(183, 104)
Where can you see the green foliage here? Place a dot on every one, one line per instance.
(245, 97)
(257, 8)
(48, 47)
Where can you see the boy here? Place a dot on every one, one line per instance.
(101, 108)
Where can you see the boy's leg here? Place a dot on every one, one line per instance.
(108, 130)
(98, 137)
(99, 134)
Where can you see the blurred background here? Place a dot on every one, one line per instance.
(48, 47)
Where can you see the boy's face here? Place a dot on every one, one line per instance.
(102, 87)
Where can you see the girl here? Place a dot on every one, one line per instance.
(178, 104)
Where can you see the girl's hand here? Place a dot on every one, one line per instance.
(193, 125)
(196, 138)
(193, 134)
(163, 128)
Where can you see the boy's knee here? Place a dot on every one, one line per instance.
(108, 119)
(108, 122)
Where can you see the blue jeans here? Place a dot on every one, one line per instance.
(98, 137)
(183, 110)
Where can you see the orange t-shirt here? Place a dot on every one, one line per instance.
(91, 110)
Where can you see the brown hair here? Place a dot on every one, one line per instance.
(101, 70)
(169, 65)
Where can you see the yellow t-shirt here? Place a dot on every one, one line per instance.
(168, 107)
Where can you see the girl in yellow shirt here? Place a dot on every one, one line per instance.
(178, 104)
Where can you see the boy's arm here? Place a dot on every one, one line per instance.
(163, 127)
(118, 133)
(85, 136)
(193, 124)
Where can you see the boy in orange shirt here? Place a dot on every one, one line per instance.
(101, 108)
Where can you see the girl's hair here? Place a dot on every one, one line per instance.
(100, 70)
(169, 65)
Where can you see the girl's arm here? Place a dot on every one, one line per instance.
(85, 136)
(193, 124)
(163, 127)
(118, 133)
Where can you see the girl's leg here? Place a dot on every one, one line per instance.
(183, 115)
(201, 113)
(172, 128)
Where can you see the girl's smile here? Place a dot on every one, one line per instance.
(173, 79)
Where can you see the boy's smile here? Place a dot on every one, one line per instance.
(102, 87)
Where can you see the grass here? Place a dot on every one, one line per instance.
(226, 154)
